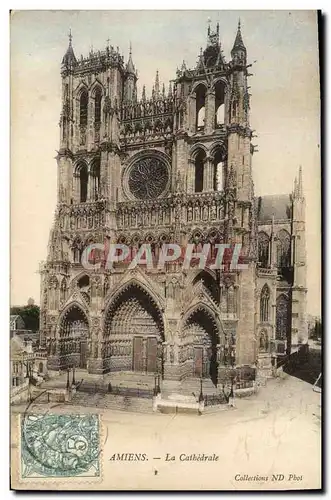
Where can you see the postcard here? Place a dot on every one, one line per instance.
(165, 322)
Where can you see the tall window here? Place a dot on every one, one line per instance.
(97, 106)
(83, 180)
(218, 166)
(283, 249)
(219, 104)
(199, 169)
(200, 106)
(282, 317)
(83, 104)
(264, 304)
(263, 247)
(95, 179)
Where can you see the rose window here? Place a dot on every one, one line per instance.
(148, 178)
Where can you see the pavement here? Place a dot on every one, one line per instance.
(270, 440)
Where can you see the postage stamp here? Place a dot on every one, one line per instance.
(65, 445)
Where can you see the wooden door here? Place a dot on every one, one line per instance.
(137, 364)
(151, 354)
(198, 362)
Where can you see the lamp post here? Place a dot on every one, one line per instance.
(158, 388)
(68, 379)
(201, 393)
(73, 375)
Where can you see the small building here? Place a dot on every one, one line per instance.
(16, 322)
(22, 360)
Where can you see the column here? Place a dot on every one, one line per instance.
(191, 176)
(210, 112)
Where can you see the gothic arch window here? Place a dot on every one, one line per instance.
(218, 169)
(83, 182)
(264, 304)
(95, 179)
(283, 249)
(200, 94)
(83, 105)
(263, 249)
(282, 317)
(199, 162)
(219, 104)
(97, 105)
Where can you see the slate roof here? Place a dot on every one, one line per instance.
(278, 206)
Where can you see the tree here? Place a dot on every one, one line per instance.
(29, 314)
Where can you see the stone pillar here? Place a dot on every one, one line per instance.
(191, 113)
(190, 176)
(210, 112)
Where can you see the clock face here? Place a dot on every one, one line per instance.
(148, 178)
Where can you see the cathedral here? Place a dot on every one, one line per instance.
(171, 167)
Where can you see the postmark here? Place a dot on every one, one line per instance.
(60, 445)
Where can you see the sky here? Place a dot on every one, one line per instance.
(285, 108)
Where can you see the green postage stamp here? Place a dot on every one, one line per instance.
(54, 445)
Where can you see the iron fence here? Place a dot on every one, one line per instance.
(95, 388)
(216, 399)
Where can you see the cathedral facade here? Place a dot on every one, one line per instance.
(173, 167)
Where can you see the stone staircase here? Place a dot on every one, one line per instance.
(113, 402)
(187, 387)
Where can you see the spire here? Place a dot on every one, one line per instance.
(69, 58)
(295, 190)
(170, 90)
(300, 187)
(183, 68)
(163, 90)
(130, 66)
(157, 83)
(212, 36)
(238, 43)
(143, 96)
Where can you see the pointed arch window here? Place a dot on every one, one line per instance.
(264, 304)
(283, 249)
(97, 106)
(199, 171)
(95, 179)
(219, 104)
(200, 107)
(83, 105)
(263, 249)
(282, 317)
(218, 170)
(83, 183)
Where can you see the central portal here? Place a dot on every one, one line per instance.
(134, 331)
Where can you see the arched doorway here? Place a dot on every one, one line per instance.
(134, 332)
(73, 338)
(201, 329)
